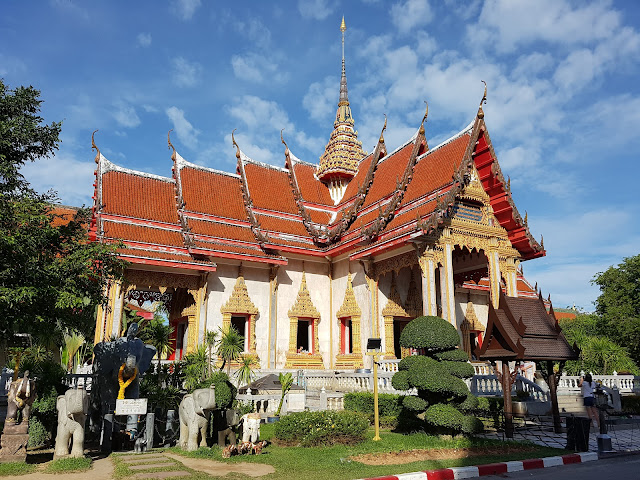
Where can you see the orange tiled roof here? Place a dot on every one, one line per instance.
(355, 183)
(212, 193)
(137, 196)
(62, 215)
(275, 224)
(278, 197)
(221, 230)
(311, 189)
(142, 233)
(387, 173)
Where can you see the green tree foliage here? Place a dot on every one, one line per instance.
(50, 275)
(230, 346)
(159, 334)
(437, 374)
(619, 304)
(286, 382)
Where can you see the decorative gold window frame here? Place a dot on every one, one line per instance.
(350, 309)
(392, 309)
(240, 304)
(303, 309)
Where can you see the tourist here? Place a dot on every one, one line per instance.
(587, 386)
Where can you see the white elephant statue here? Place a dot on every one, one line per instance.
(250, 427)
(195, 410)
(72, 407)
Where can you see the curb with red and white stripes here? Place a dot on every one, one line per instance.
(454, 473)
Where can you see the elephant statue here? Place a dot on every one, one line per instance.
(195, 410)
(22, 393)
(250, 427)
(225, 423)
(72, 408)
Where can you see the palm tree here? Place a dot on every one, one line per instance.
(210, 340)
(230, 346)
(245, 372)
(195, 368)
(158, 334)
(73, 341)
(286, 382)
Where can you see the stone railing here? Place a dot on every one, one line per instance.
(348, 382)
(482, 368)
(331, 400)
(294, 401)
(625, 384)
(489, 386)
(79, 380)
(388, 365)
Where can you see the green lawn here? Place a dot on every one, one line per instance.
(297, 463)
(11, 469)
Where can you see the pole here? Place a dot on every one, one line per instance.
(506, 390)
(376, 414)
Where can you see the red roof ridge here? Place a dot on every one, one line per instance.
(108, 166)
(246, 159)
(182, 163)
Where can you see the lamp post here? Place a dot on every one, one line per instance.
(374, 346)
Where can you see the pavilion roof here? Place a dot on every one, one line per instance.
(522, 329)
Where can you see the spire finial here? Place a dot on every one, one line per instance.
(169, 144)
(484, 100)
(343, 79)
(93, 146)
(233, 139)
(542, 241)
(424, 119)
(343, 26)
(286, 152)
(383, 129)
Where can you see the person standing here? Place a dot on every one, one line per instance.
(587, 386)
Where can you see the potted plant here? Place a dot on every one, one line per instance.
(286, 382)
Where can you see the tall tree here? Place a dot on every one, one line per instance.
(619, 304)
(51, 276)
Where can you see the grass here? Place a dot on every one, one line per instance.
(67, 465)
(15, 468)
(298, 463)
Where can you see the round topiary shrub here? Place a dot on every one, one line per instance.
(438, 375)
(444, 416)
(433, 334)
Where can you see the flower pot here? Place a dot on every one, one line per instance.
(519, 409)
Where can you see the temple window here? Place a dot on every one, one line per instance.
(346, 337)
(181, 336)
(305, 335)
(240, 313)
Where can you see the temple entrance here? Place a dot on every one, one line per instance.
(181, 338)
(398, 326)
(305, 336)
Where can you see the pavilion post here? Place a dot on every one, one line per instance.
(553, 393)
(506, 391)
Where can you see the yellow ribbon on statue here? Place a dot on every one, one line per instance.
(124, 383)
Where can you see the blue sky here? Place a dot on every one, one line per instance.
(563, 104)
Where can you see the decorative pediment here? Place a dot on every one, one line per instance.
(471, 322)
(393, 308)
(349, 306)
(303, 306)
(413, 305)
(474, 190)
(239, 302)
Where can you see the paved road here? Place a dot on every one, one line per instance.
(626, 468)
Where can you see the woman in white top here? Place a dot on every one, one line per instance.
(587, 385)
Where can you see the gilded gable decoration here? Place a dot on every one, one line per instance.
(350, 309)
(241, 305)
(413, 305)
(392, 309)
(303, 309)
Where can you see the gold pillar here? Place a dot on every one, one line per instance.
(494, 271)
(509, 270)
(427, 264)
(447, 288)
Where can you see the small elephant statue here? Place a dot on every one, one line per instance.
(22, 393)
(225, 423)
(250, 427)
(195, 410)
(72, 408)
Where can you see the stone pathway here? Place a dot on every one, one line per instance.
(148, 461)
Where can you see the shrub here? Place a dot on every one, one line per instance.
(471, 425)
(225, 391)
(437, 374)
(389, 405)
(433, 334)
(327, 427)
(444, 416)
(631, 404)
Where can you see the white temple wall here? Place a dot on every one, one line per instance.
(480, 302)
(219, 286)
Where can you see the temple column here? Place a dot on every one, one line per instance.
(447, 288)
(494, 271)
(116, 304)
(193, 314)
(428, 269)
(273, 312)
(508, 269)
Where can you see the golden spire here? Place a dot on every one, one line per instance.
(343, 152)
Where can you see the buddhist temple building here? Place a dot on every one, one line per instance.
(308, 260)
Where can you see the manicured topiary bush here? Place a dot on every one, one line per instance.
(438, 374)
(389, 405)
(308, 429)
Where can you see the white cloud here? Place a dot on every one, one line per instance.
(257, 68)
(11, 65)
(258, 113)
(321, 100)
(254, 30)
(507, 24)
(144, 39)
(185, 73)
(412, 13)
(69, 177)
(186, 133)
(126, 115)
(316, 9)
(185, 9)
